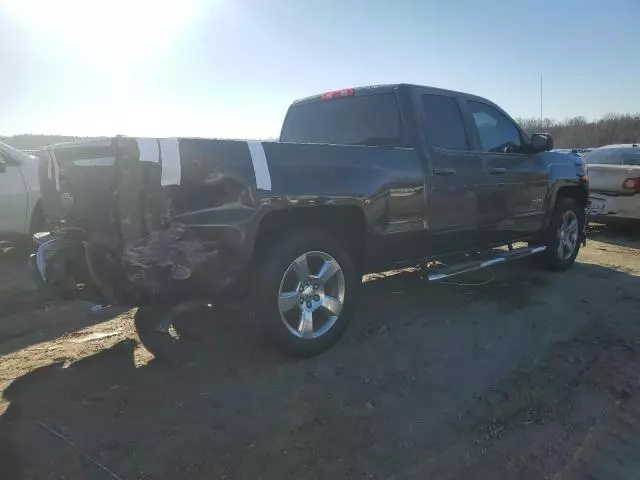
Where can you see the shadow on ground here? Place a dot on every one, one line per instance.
(623, 234)
(431, 381)
(26, 318)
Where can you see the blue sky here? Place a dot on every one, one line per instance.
(230, 68)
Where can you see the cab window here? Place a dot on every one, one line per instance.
(496, 132)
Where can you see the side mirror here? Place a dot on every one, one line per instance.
(541, 142)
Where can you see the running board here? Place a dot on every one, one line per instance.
(477, 265)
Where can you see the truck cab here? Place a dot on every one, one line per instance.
(484, 181)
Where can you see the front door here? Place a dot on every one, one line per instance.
(13, 196)
(516, 179)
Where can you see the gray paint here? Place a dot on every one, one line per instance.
(154, 243)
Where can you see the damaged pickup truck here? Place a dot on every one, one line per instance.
(362, 180)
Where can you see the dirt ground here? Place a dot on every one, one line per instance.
(517, 373)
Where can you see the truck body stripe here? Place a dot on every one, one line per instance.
(54, 169)
(260, 165)
(148, 150)
(165, 151)
(170, 157)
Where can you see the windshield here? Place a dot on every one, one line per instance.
(359, 120)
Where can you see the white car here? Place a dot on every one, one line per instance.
(20, 207)
(614, 182)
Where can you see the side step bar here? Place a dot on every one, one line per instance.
(447, 272)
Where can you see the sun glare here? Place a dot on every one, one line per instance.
(107, 32)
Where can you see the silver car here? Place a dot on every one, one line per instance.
(614, 181)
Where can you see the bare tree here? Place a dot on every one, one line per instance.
(577, 132)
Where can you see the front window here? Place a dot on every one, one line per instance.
(496, 133)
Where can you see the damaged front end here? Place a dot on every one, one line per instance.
(119, 238)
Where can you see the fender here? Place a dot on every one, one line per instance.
(564, 172)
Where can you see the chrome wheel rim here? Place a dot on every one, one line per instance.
(567, 235)
(311, 295)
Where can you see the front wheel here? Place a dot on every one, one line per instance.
(306, 286)
(564, 235)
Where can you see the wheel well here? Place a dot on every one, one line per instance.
(344, 222)
(578, 193)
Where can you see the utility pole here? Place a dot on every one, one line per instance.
(540, 97)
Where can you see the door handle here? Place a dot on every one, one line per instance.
(444, 171)
(498, 170)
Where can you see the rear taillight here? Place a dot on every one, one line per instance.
(347, 92)
(631, 184)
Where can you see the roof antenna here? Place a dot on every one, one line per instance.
(541, 98)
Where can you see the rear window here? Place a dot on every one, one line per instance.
(360, 120)
(613, 156)
(631, 157)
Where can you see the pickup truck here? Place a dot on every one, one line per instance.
(361, 180)
(20, 208)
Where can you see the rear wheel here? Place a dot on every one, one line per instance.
(306, 286)
(564, 235)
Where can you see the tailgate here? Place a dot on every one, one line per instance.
(112, 202)
(77, 182)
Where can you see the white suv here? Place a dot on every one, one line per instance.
(20, 208)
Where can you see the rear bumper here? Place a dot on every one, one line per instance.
(59, 269)
(609, 206)
(166, 269)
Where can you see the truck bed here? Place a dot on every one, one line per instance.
(163, 215)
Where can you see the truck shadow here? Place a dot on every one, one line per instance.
(234, 407)
(616, 233)
(25, 317)
(17, 289)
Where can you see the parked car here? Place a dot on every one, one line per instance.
(362, 180)
(578, 152)
(20, 207)
(614, 173)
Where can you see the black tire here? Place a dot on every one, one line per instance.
(271, 269)
(551, 258)
(148, 322)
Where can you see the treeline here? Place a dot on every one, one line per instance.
(579, 133)
(33, 142)
(571, 133)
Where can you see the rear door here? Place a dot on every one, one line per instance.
(456, 172)
(512, 199)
